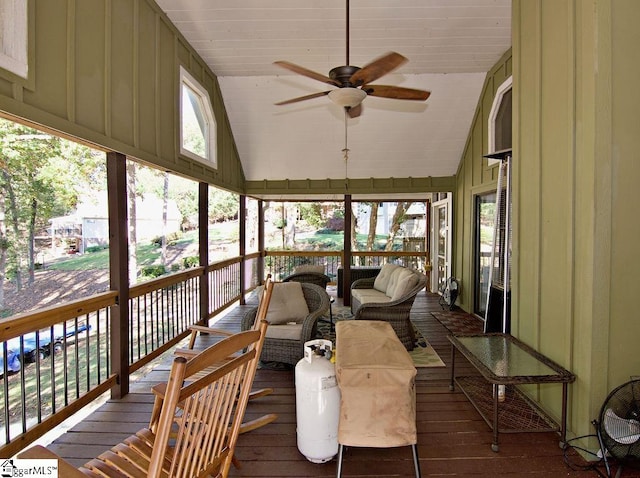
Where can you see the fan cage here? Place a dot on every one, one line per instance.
(619, 421)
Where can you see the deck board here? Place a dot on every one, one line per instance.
(453, 439)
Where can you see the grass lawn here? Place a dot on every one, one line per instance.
(334, 241)
(226, 233)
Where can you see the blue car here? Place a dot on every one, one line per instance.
(13, 361)
(46, 345)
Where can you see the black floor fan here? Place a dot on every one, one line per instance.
(618, 427)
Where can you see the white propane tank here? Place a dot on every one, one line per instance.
(317, 403)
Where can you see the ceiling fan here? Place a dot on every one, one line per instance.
(354, 83)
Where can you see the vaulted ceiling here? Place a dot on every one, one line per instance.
(450, 44)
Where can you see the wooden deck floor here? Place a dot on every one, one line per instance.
(453, 439)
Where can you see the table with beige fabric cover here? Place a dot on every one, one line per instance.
(376, 377)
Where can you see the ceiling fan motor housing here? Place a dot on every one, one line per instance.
(342, 74)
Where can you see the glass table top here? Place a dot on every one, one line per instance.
(503, 356)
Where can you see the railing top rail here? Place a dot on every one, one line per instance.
(353, 253)
(391, 253)
(164, 281)
(222, 264)
(27, 322)
(304, 253)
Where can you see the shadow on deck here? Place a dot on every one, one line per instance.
(453, 440)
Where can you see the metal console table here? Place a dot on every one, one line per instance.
(503, 360)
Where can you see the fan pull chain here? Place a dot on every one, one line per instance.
(345, 153)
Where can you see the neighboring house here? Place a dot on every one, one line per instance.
(414, 224)
(89, 226)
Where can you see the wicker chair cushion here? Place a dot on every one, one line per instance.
(405, 285)
(309, 268)
(287, 304)
(285, 331)
(382, 279)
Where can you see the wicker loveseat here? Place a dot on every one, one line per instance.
(284, 341)
(389, 296)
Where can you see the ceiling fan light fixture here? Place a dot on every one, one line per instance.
(347, 97)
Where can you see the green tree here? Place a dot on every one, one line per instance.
(41, 175)
(396, 222)
(373, 225)
(29, 194)
(311, 212)
(132, 194)
(223, 205)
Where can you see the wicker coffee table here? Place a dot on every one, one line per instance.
(504, 362)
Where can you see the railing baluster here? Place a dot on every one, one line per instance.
(159, 311)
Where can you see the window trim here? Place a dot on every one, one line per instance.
(493, 113)
(211, 131)
(16, 60)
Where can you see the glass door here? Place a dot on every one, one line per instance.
(485, 205)
(441, 239)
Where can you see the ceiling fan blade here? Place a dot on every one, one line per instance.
(396, 92)
(377, 68)
(354, 111)
(303, 98)
(300, 70)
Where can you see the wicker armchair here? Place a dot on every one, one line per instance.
(396, 312)
(281, 347)
(316, 278)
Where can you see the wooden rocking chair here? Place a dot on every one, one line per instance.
(189, 353)
(199, 421)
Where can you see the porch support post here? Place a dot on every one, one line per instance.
(203, 249)
(242, 215)
(346, 263)
(261, 241)
(119, 269)
(427, 238)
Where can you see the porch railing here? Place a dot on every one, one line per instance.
(64, 353)
(55, 361)
(282, 263)
(58, 360)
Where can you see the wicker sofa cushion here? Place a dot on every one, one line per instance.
(287, 304)
(397, 276)
(393, 281)
(397, 280)
(404, 285)
(365, 296)
(382, 279)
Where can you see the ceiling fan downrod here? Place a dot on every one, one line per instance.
(347, 35)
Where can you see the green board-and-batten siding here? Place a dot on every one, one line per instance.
(107, 72)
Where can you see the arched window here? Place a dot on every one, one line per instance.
(500, 120)
(197, 122)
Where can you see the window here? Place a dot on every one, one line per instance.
(197, 123)
(13, 37)
(500, 120)
(485, 205)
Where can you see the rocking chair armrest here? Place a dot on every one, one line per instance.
(209, 330)
(65, 468)
(186, 353)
